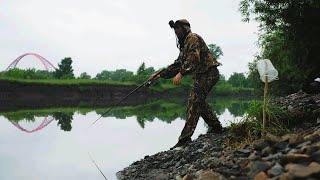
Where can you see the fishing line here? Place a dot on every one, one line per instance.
(93, 161)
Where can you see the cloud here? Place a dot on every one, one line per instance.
(112, 34)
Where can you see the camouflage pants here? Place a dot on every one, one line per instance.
(197, 106)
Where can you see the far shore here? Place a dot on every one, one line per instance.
(17, 94)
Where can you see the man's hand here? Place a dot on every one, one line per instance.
(177, 79)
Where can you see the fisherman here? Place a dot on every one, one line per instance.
(196, 60)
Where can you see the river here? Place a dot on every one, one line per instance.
(54, 143)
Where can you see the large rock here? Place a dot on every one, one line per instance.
(316, 156)
(315, 136)
(272, 138)
(295, 158)
(267, 151)
(295, 139)
(242, 152)
(261, 144)
(187, 177)
(210, 175)
(257, 166)
(254, 156)
(281, 145)
(311, 149)
(261, 176)
(303, 172)
(276, 170)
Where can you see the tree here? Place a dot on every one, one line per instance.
(141, 68)
(84, 75)
(289, 38)
(215, 50)
(143, 73)
(64, 120)
(65, 70)
(121, 75)
(238, 80)
(222, 78)
(104, 75)
(118, 75)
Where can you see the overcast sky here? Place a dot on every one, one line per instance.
(114, 34)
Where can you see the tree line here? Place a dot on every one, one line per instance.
(65, 71)
(289, 37)
(142, 73)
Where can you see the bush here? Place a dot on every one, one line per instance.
(27, 74)
(250, 127)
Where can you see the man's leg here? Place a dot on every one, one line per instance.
(210, 118)
(193, 114)
(206, 113)
(199, 92)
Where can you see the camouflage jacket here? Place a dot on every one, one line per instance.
(194, 58)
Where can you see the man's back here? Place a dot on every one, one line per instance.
(195, 44)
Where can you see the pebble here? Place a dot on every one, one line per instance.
(276, 170)
(261, 176)
(258, 166)
(260, 144)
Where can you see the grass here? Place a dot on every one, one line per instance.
(224, 89)
(219, 89)
(67, 81)
(250, 127)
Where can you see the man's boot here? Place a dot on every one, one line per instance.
(215, 129)
(181, 143)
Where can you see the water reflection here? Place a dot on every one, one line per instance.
(64, 120)
(123, 136)
(167, 111)
(46, 121)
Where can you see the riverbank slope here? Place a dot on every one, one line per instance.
(18, 94)
(295, 155)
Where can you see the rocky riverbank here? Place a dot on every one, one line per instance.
(301, 105)
(291, 156)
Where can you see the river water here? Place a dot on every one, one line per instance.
(54, 143)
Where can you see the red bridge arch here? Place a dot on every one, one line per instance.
(47, 64)
(46, 121)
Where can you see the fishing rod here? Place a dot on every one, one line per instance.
(97, 166)
(147, 83)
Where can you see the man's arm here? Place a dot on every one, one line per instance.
(171, 70)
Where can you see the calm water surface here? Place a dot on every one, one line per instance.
(54, 144)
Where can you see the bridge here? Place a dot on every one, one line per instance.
(47, 64)
(45, 122)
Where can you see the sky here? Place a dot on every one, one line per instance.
(120, 34)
